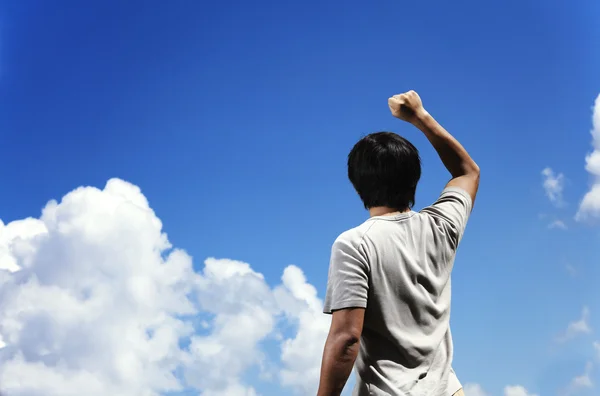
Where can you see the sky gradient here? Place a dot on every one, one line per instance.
(234, 120)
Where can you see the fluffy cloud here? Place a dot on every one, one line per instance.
(246, 311)
(299, 301)
(553, 186)
(91, 298)
(242, 311)
(94, 297)
(590, 204)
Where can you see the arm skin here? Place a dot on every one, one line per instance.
(464, 171)
(341, 350)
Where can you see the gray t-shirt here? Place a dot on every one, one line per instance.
(398, 268)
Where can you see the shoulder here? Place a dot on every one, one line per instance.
(353, 242)
(451, 197)
(354, 236)
(348, 251)
(449, 214)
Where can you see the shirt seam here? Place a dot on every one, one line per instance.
(343, 305)
(361, 247)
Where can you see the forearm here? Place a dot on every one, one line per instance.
(451, 152)
(339, 356)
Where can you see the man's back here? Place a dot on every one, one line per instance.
(389, 279)
(401, 265)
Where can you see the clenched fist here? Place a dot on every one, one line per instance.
(407, 106)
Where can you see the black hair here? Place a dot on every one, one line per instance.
(384, 169)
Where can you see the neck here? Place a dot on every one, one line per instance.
(385, 211)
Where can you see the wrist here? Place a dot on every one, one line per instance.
(422, 116)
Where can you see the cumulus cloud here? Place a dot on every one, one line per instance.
(581, 326)
(242, 312)
(247, 311)
(553, 186)
(93, 296)
(597, 349)
(298, 300)
(590, 204)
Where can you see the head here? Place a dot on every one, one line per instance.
(384, 169)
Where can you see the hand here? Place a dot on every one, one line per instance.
(407, 106)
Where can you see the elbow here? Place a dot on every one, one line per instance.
(474, 170)
(349, 338)
(347, 343)
(347, 335)
(467, 168)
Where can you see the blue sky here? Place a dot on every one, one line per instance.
(235, 120)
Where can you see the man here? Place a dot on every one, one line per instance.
(389, 278)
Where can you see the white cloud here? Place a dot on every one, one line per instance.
(583, 381)
(557, 224)
(300, 304)
(474, 390)
(597, 349)
(517, 390)
(553, 186)
(590, 204)
(510, 390)
(581, 326)
(246, 311)
(92, 296)
(243, 314)
(571, 269)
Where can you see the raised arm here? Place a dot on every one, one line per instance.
(464, 171)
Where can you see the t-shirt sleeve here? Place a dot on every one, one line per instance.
(348, 281)
(451, 212)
